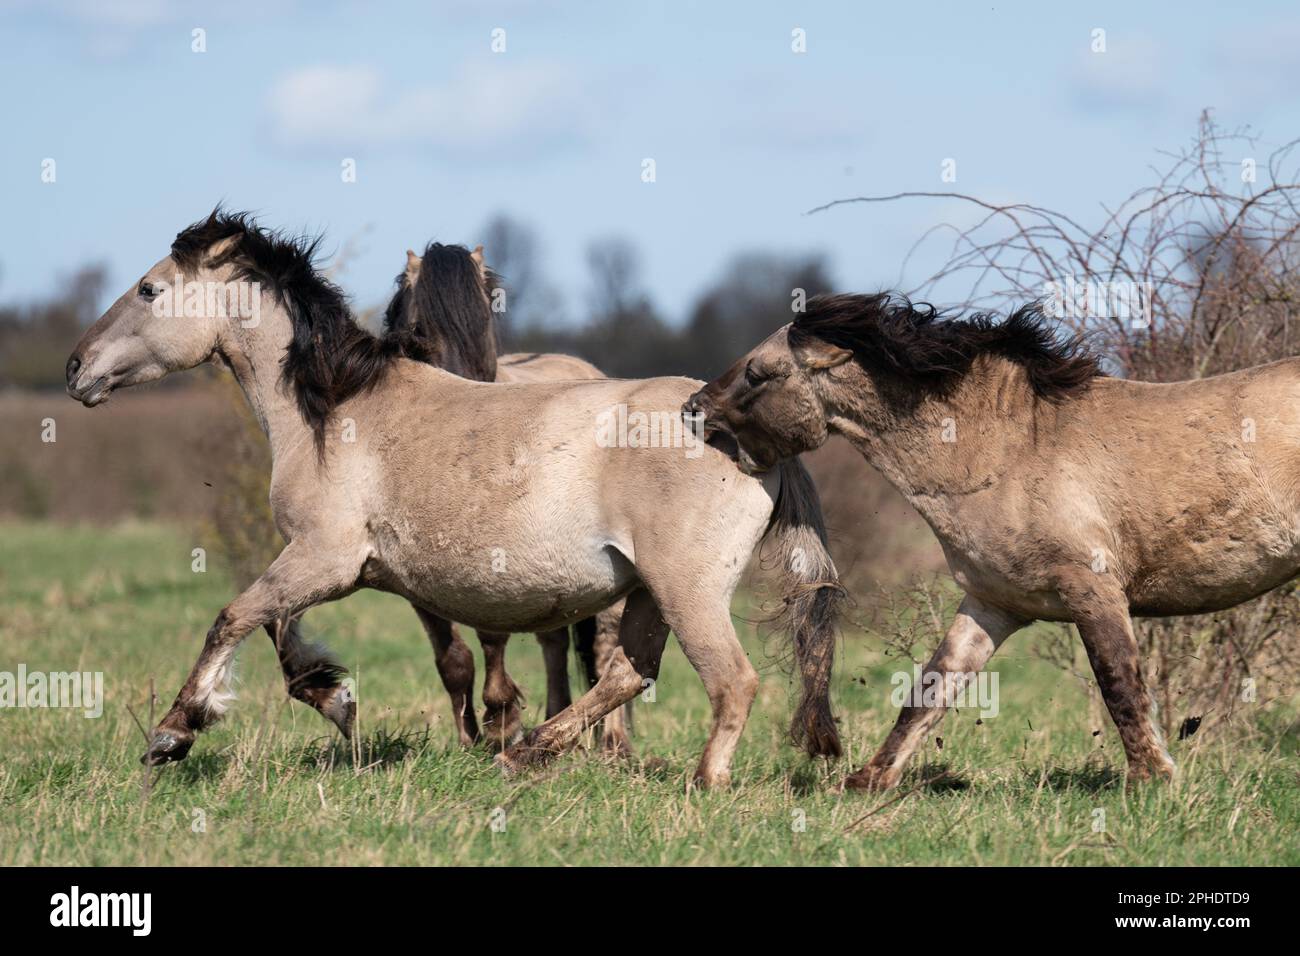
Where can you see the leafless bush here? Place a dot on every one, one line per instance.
(1211, 249)
(912, 620)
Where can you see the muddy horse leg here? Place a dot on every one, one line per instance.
(642, 635)
(313, 675)
(976, 632)
(555, 655)
(617, 724)
(455, 663)
(1100, 611)
(501, 695)
(295, 581)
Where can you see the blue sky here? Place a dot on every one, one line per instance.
(746, 134)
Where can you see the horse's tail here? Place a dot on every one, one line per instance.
(812, 597)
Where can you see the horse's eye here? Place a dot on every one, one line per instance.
(147, 289)
(753, 378)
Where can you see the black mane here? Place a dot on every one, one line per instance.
(446, 318)
(330, 358)
(918, 342)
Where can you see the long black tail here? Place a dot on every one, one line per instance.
(813, 599)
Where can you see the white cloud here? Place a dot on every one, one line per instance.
(482, 108)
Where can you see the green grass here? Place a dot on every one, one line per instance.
(273, 786)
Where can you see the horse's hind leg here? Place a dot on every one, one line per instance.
(615, 727)
(976, 632)
(313, 675)
(555, 655)
(642, 635)
(1101, 614)
(455, 665)
(708, 639)
(294, 582)
(501, 695)
(595, 640)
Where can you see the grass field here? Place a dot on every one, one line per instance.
(269, 785)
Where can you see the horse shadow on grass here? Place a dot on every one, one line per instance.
(380, 749)
(1090, 779)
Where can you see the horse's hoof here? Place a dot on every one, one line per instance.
(1160, 773)
(167, 746)
(615, 745)
(872, 780)
(508, 767)
(502, 729)
(710, 780)
(522, 755)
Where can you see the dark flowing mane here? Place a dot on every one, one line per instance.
(446, 318)
(924, 345)
(330, 358)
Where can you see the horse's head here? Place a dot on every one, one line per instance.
(442, 311)
(769, 403)
(171, 319)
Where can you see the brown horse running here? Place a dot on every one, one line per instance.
(1057, 493)
(508, 507)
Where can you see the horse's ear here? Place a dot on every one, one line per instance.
(219, 249)
(820, 355)
(477, 256)
(412, 268)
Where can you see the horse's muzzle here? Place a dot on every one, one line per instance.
(695, 411)
(90, 393)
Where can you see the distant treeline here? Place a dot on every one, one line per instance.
(618, 327)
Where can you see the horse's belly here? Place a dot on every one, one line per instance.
(510, 586)
(1213, 587)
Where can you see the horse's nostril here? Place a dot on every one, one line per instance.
(74, 363)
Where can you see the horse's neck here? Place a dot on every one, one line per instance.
(938, 449)
(255, 356)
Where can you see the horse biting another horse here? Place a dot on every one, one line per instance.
(1057, 493)
(491, 504)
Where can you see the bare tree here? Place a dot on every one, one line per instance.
(511, 250)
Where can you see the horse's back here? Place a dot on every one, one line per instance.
(566, 486)
(522, 367)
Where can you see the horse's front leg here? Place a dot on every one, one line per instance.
(295, 581)
(1101, 613)
(642, 634)
(976, 632)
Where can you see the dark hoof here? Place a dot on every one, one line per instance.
(167, 746)
(502, 728)
(514, 760)
(872, 779)
(1156, 773)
